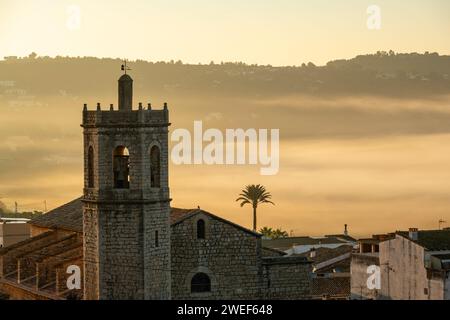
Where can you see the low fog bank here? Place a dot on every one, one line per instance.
(378, 164)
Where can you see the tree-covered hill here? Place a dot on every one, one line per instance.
(383, 73)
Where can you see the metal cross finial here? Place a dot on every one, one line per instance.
(125, 68)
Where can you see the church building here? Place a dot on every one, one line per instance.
(125, 241)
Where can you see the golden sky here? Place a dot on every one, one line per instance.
(372, 179)
(277, 32)
(377, 169)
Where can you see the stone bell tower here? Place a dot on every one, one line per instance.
(126, 200)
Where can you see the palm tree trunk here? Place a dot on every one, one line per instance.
(254, 219)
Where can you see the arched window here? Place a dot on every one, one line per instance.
(121, 168)
(90, 165)
(200, 283)
(155, 167)
(201, 229)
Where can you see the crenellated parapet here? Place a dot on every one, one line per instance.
(141, 117)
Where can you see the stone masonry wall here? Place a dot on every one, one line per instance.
(286, 278)
(230, 257)
(157, 262)
(121, 264)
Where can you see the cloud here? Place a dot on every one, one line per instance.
(305, 117)
(15, 142)
(342, 160)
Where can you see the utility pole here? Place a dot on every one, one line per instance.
(15, 207)
(441, 222)
(45, 206)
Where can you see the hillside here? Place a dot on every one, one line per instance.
(387, 74)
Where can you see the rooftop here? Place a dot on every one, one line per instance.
(433, 240)
(331, 287)
(125, 77)
(345, 237)
(445, 256)
(70, 217)
(287, 243)
(325, 254)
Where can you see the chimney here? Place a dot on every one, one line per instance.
(312, 253)
(345, 230)
(414, 234)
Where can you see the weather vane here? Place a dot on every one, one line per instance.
(125, 68)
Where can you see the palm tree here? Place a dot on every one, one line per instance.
(279, 234)
(254, 195)
(273, 234)
(266, 232)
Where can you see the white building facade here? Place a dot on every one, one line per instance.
(415, 265)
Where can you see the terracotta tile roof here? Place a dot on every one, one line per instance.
(325, 254)
(338, 287)
(433, 240)
(177, 214)
(342, 266)
(68, 216)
